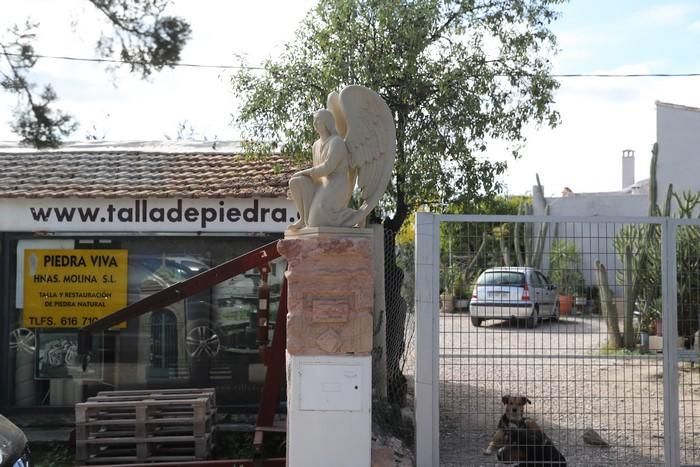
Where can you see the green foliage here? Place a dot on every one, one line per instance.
(455, 74)
(643, 260)
(405, 260)
(492, 205)
(528, 246)
(565, 264)
(469, 248)
(650, 313)
(644, 243)
(34, 119)
(610, 349)
(688, 260)
(465, 239)
(142, 35)
(458, 287)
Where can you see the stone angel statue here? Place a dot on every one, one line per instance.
(356, 146)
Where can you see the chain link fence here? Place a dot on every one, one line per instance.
(392, 414)
(590, 327)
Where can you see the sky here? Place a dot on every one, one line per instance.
(599, 116)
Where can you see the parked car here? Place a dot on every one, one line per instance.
(509, 293)
(14, 451)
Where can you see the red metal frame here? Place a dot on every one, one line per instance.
(273, 357)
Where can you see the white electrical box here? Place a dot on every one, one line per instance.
(330, 387)
(329, 416)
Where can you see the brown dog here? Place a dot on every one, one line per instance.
(513, 417)
(529, 448)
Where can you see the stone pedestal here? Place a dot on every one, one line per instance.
(329, 343)
(330, 291)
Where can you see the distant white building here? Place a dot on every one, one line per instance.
(678, 138)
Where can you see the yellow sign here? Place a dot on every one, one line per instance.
(72, 288)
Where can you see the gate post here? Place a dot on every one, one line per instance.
(669, 283)
(427, 379)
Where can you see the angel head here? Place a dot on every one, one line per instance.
(324, 122)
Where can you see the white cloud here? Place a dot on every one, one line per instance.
(662, 14)
(121, 105)
(584, 152)
(694, 26)
(600, 117)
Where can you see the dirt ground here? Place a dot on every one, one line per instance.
(573, 387)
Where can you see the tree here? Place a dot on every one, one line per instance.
(455, 74)
(142, 36)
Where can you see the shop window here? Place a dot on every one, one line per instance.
(163, 343)
(163, 348)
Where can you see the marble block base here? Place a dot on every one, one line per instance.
(330, 296)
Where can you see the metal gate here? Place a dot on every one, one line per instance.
(576, 334)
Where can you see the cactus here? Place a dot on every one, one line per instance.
(505, 250)
(516, 236)
(608, 306)
(464, 277)
(629, 299)
(652, 180)
(532, 244)
(635, 246)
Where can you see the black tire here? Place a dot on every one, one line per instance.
(534, 319)
(555, 316)
(476, 321)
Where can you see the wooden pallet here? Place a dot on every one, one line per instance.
(145, 426)
(158, 393)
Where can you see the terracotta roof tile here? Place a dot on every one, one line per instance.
(139, 174)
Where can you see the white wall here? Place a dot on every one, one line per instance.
(678, 135)
(594, 240)
(623, 204)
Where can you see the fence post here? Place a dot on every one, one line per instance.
(672, 448)
(427, 306)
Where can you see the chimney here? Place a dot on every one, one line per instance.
(627, 168)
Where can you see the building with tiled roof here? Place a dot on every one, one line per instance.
(179, 171)
(116, 222)
(139, 179)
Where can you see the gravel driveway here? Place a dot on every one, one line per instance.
(573, 387)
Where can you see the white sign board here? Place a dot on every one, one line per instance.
(146, 215)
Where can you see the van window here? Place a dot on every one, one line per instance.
(502, 278)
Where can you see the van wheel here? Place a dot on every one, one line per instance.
(534, 319)
(476, 321)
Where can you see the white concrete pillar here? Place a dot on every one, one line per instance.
(330, 301)
(427, 263)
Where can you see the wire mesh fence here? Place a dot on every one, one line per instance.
(393, 353)
(551, 343)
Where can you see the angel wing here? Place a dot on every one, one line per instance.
(371, 140)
